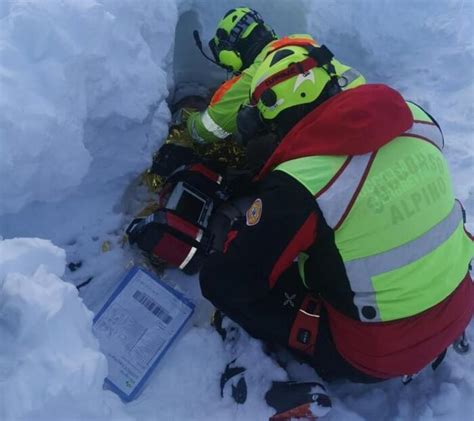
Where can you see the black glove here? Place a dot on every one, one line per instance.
(249, 124)
(170, 157)
(143, 234)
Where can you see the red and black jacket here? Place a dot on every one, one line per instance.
(353, 122)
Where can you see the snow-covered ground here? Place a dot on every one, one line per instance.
(83, 103)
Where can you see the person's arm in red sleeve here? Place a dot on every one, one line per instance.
(280, 224)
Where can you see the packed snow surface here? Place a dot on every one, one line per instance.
(46, 334)
(84, 92)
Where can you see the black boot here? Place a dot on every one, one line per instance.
(294, 400)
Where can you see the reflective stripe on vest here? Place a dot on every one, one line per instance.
(212, 127)
(427, 131)
(361, 271)
(335, 199)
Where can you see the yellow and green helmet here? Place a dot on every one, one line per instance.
(291, 76)
(233, 37)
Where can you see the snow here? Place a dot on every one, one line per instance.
(83, 104)
(50, 362)
(65, 64)
(424, 49)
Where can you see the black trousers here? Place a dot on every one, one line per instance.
(271, 319)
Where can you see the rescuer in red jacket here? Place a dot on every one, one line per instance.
(353, 252)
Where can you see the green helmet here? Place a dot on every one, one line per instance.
(240, 36)
(291, 76)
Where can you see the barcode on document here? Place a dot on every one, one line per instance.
(152, 306)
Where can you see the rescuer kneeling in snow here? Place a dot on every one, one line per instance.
(241, 43)
(353, 252)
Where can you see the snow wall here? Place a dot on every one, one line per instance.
(72, 73)
(84, 87)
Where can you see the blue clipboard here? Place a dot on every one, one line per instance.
(138, 293)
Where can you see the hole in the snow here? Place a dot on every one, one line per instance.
(193, 74)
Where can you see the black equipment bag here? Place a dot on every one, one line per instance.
(178, 233)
